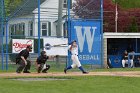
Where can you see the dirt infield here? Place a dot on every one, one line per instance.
(55, 74)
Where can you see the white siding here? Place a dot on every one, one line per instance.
(49, 9)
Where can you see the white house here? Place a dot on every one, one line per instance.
(25, 21)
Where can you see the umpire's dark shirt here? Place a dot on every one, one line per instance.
(41, 59)
(23, 53)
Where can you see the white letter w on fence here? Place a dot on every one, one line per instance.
(88, 33)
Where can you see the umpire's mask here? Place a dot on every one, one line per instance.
(30, 48)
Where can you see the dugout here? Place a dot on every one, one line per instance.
(116, 43)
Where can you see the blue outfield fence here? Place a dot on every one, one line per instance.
(88, 36)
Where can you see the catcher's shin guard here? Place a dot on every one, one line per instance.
(39, 69)
(47, 68)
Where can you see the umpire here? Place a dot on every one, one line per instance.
(41, 63)
(22, 60)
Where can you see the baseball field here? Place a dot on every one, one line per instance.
(117, 80)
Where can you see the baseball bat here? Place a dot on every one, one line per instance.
(48, 46)
(59, 45)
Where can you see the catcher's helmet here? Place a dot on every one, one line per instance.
(43, 53)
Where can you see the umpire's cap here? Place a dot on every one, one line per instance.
(29, 47)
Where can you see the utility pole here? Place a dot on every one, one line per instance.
(59, 23)
(116, 17)
(59, 26)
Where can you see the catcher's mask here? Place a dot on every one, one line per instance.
(43, 54)
(30, 48)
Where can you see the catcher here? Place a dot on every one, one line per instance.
(41, 63)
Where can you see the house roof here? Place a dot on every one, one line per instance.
(26, 8)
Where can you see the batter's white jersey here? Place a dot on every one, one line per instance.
(74, 56)
(74, 50)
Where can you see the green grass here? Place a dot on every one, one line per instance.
(85, 84)
(54, 67)
(60, 67)
(129, 3)
(77, 84)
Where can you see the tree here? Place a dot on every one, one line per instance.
(109, 16)
(135, 20)
(87, 8)
(11, 5)
(133, 26)
(124, 15)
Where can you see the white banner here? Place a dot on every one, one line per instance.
(20, 44)
(56, 46)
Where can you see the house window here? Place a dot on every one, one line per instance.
(30, 28)
(65, 4)
(65, 32)
(17, 29)
(21, 28)
(44, 29)
(49, 28)
(12, 30)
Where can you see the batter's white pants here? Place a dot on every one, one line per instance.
(75, 61)
(126, 62)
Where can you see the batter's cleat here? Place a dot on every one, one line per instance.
(65, 70)
(26, 72)
(85, 72)
(44, 71)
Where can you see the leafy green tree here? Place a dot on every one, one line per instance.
(134, 26)
(11, 5)
(125, 16)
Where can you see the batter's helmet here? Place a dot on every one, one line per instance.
(73, 41)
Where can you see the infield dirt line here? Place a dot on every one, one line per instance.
(126, 74)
